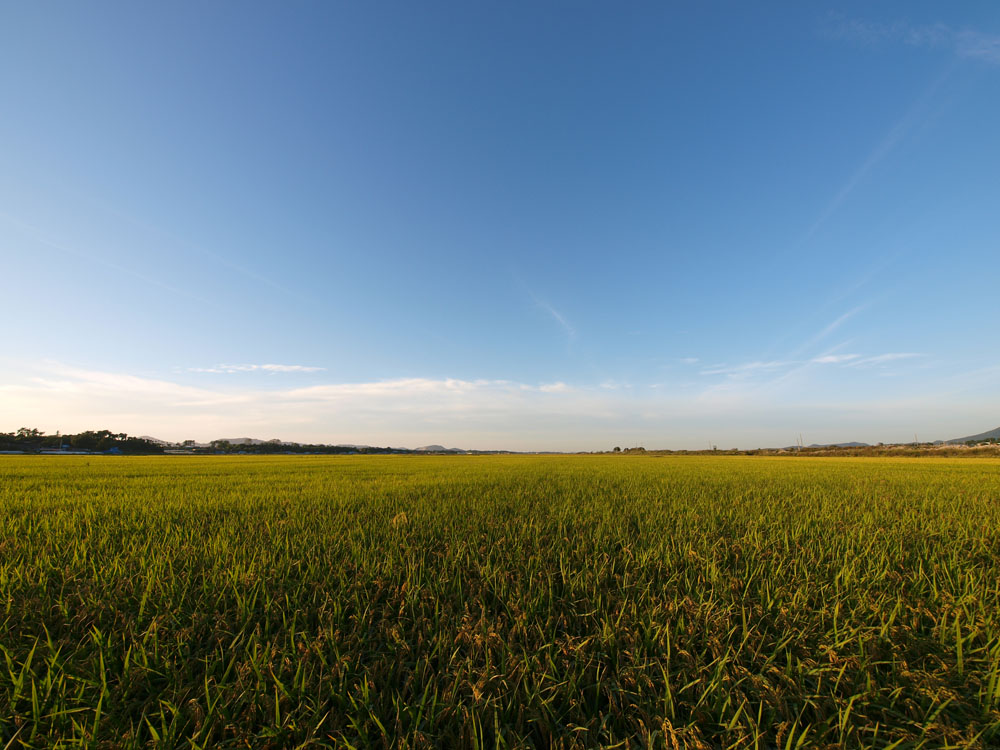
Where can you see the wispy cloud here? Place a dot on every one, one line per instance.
(561, 320)
(746, 368)
(425, 409)
(828, 329)
(39, 237)
(558, 387)
(65, 382)
(971, 44)
(881, 359)
(881, 150)
(688, 360)
(834, 359)
(558, 317)
(786, 367)
(270, 368)
(450, 388)
(615, 385)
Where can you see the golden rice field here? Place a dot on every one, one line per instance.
(501, 601)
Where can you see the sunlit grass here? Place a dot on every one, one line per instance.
(499, 602)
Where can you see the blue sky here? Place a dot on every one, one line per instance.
(523, 225)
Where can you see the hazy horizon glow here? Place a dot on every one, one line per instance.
(516, 227)
(480, 414)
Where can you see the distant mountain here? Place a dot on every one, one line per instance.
(830, 445)
(839, 445)
(247, 441)
(991, 435)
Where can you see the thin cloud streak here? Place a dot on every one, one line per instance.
(828, 329)
(542, 304)
(270, 368)
(882, 149)
(36, 235)
(847, 360)
(558, 317)
(834, 359)
(194, 250)
(747, 367)
(881, 359)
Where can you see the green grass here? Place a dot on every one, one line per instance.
(499, 602)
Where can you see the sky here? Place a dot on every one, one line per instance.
(530, 226)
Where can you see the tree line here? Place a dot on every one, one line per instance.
(31, 440)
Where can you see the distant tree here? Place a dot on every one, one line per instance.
(618, 449)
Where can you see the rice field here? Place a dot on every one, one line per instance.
(499, 601)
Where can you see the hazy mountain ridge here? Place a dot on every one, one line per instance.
(830, 445)
(990, 435)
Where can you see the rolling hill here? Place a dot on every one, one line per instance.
(991, 435)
